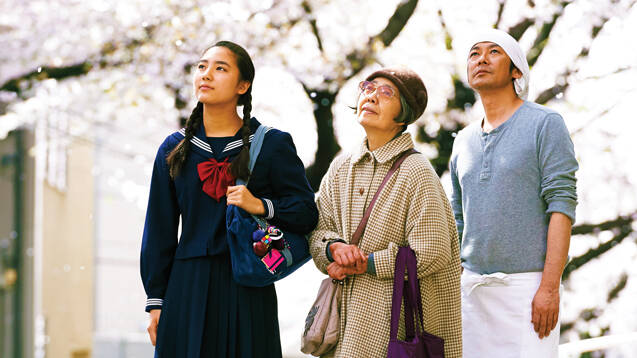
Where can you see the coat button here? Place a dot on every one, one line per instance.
(361, 191)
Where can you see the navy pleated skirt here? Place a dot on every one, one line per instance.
(206, 314)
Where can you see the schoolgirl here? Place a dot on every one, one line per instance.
(196, 309)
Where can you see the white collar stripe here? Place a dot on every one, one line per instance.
(201, 144)
(227, 148)
(197, 140)
(207, 149)
(238, 143)
(205, 146)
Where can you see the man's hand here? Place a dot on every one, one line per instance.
(546, 303)
(347, 255)
(240, 196)
(545, 310)
(152, 325)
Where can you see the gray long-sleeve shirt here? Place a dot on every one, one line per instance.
(505, 185)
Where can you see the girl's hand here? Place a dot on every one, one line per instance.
(240, 196)
(152, 325)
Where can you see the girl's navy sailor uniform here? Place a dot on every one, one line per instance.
(204, 312)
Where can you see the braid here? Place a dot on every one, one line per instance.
(179, 154)
(240, 166)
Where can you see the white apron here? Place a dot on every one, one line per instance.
(496, 317)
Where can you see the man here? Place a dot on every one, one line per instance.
(514, 198)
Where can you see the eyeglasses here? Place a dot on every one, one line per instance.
(368, 88)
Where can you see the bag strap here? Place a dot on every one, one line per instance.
(255, 149)
(361, 226)
(397, 296)
(413, 293)
(406, 258)
(257, 143)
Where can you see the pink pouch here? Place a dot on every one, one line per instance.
(272, 260)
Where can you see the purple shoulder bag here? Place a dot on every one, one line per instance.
(417, 343)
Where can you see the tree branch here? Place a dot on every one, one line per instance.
(550, 93)
(561, 86)
(597, 116)
(323, 99)
(621, 284)
(542, 38)
(361, 58)
(619, 70)
(308, 10)
(619, 222)
(100, 60)
(586, 315)
(500, 11)
(579, 261)
(594, 313)
(443, 25)
(397, 21)
(20, 83)
(517, 30)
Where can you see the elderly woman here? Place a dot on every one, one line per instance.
(411, 210)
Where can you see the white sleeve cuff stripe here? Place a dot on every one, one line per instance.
(154, 302)
(270, 209)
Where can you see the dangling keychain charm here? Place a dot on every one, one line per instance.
(264, 240)
(276, 237)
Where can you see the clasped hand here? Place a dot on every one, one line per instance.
(240, 196)
(348, 260)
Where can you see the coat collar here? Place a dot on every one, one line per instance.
(199, 143)
(387, 152)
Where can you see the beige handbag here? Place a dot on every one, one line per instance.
(322, 324)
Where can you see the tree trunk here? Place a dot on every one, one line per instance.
(327, 144)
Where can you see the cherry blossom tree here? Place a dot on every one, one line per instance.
(104, 64)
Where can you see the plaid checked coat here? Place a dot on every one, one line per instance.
(411, 210)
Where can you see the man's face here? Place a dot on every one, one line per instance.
(488, 67)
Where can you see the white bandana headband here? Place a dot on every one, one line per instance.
(515, 53)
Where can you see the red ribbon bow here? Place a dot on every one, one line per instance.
(216, 177)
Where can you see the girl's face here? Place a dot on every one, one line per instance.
(217, 79)
(378, 107)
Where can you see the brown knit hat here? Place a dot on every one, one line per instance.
(410, 86)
